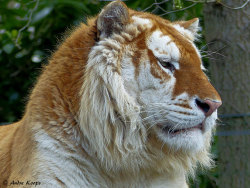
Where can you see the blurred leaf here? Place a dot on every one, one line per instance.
(178, 4)
(8, 48)
(41, 14)
(14, 33)
(21, 53)
(37, 57)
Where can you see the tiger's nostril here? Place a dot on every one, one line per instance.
(202, 105)
(207, 106)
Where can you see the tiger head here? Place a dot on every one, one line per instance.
(149, 88)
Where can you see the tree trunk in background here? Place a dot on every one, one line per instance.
(227, 33)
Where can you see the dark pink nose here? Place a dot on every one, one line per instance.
(208, 106)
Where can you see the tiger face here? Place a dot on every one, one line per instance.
(162, 72)
(177, 100)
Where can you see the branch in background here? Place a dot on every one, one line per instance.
(236, 8)
(203, 1)
(27, 24)
(166, 12)
(219, 2)
(157, 5)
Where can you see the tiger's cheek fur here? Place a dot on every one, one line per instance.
(145, 81)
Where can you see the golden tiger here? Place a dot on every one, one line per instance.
(123, 102)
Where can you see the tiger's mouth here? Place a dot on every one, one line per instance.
(172, 131)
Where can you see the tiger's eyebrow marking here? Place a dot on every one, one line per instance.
(142, 21)
(169, 49)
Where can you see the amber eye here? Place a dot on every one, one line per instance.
(167, 65)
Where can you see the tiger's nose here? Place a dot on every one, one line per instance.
(208, 106)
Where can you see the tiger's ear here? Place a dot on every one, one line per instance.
(112, 19)
(191, 25)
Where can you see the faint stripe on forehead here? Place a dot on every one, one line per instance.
(142, 21)
(163, 46)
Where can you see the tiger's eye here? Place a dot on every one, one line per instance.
(167, 65)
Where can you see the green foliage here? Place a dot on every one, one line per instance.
(31, 30)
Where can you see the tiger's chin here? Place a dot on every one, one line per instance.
(191, 139)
